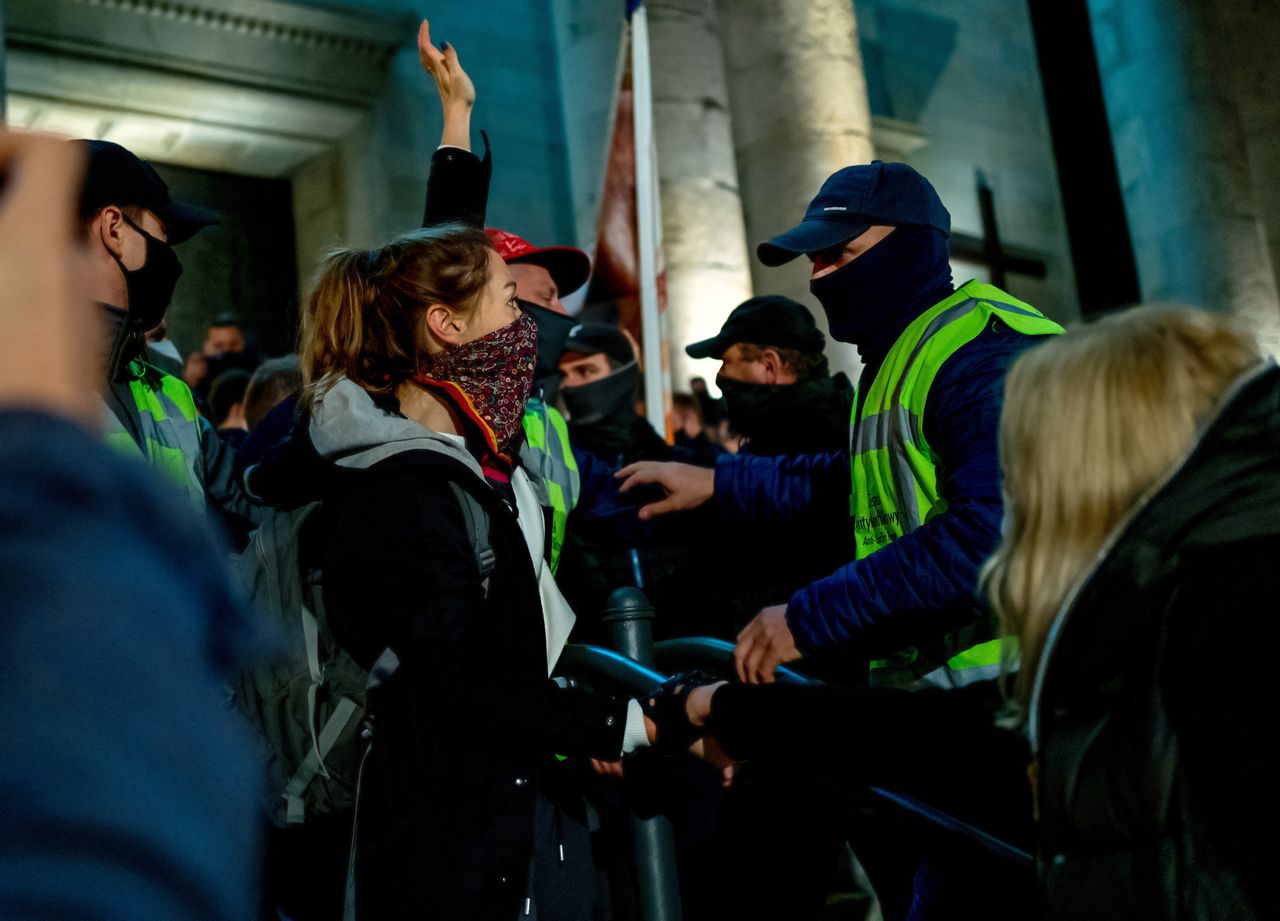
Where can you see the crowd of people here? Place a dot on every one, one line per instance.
(1006, 553)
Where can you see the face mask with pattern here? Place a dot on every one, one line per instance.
(486, 382)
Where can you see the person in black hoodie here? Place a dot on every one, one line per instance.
(1142, 533)
(418, 362)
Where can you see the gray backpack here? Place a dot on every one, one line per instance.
(309, 704)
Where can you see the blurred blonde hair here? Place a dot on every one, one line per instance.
(1091, 421)
(364, 316)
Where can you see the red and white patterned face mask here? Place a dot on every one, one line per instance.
(487, 380)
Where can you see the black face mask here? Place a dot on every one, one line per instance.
(882, 285)
(753, 408)
(610, 398)
(553, 333)
(150, 287)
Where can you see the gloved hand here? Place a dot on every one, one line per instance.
(667, 705)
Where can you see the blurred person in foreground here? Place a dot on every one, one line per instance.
(128, 789)
(1141, 534)
(131, 227)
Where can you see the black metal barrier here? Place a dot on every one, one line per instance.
(637, 667)
(716, 656)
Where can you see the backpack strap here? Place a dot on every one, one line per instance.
(314, 762)
(476, 520)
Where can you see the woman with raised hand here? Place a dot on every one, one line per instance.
(417, 365)
(1137, 571)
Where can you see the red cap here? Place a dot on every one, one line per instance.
(569, 267)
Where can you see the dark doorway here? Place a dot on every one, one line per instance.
(244, 266)
(1101, 251)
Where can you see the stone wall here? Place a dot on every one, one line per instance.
(965, 75)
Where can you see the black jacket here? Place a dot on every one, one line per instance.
(1155, 699)
(462, 729)
(763, 563)
(1157, 691)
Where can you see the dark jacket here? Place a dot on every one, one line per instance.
(813, 420)
(1155, 693)
(463, 728)
(1154, 696)
(924, 584)
(765, 563)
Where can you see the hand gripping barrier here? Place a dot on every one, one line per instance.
(637, 667)
(716, 657)
(630, 670)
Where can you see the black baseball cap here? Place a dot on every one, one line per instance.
(767, 320)
(116, 176)
(594, 338)
(854, 199)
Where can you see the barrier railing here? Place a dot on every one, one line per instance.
(635, 666)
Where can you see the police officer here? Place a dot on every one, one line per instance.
(919, 488)
(131, 225)
(924, 495)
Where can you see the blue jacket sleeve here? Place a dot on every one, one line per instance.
(129, 788)
(925, 584)
(604, 513)
(785, 490)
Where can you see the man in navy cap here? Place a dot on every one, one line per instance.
(923, 502)
(924, 497)
(131, 227)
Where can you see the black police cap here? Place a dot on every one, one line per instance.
(770, 319)
(116, 176)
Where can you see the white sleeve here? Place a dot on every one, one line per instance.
(634, 736)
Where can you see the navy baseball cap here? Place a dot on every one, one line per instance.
(854, 199)
(768, 320)
(116, 176)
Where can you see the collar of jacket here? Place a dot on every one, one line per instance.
(1225, 488)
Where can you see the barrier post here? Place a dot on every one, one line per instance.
(629, 618)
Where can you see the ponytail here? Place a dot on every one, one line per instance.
(363, 318)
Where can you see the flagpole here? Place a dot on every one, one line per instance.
(648, 221)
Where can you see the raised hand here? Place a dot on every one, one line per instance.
(455, 86)
(50, 348)
(686, 486)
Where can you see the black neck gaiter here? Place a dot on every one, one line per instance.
(870, 301)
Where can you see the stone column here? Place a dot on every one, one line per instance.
(1179, 130)
(704, 239)
(800, 112)
(1248, 34)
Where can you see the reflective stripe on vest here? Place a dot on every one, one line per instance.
(894, 471)
(548, 454)
(170, 428)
